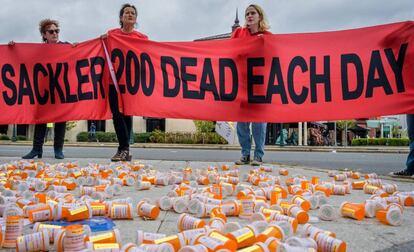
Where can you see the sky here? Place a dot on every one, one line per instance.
(186, 20)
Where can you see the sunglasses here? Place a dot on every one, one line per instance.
(53, 31)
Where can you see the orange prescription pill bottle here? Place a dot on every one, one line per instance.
(38, 241)
(273, 244)
(51, 229)
(392, 215)
(107, 237)
(217, 223)
(358, 185)
(230, 208)
(258, 247)
(163, 247)
(247, 206)
(130, 247)
(279, 217)
(302, 202)
(98, 208)
(312, 231)
(44, 213)
(81, 212)
(283, 172)
(351, 210)
(228, 243)
(328, 243)
(120, 211)
(74, 238)
(191, 234)
(14, 229)
(218, 213)
(211, 243)
(271, 231)
(298, 213)
(177, 241)
(147, 238)
(106, 247)
(324, 189)
(315, 180)
(145, 209)
(194, 248)
(186, 222)
(243, 237)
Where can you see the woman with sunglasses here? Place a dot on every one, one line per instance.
(49, 30)
(123, 123)
(255, 25)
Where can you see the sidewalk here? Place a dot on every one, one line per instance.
(368, 149)
(365, 235)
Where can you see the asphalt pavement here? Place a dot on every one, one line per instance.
(380, 160)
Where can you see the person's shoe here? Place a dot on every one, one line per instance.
(256, 161)
(59, 154)
(401, 174)
(243, 160)
(121, 155)
(33, 153)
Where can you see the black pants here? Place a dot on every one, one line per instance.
(40, 133)
(122, 123)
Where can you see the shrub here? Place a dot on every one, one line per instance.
(157, 136)
(21, 138)
(106, 137)
(160, 137)
(204, 126)
(4, 137)
(186, 138)
(381, 141)
(142, 137)
(82, 137)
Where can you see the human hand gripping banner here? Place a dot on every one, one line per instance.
(42, 83)
(347, 74)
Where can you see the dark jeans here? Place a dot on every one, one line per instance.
(410, 129)
(122, 123)
(40, 133)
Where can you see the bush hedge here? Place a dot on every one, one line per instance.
(187, 138)
(4, 137)
(142, 137)
(82, 137)
(21, 138)
(381, 141)
(159, 137)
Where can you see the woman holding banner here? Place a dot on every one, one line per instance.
(255, 25)
(49, 30)
(123, 123)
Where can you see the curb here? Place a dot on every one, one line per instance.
(350, 149)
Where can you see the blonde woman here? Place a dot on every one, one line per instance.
(256, 25)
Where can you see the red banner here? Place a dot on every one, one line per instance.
(348, 74)
(43, 83)
(356, 73)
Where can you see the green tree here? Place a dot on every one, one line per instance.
(344, 125)
(397, 132)
(204, 126)
(70, 125)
